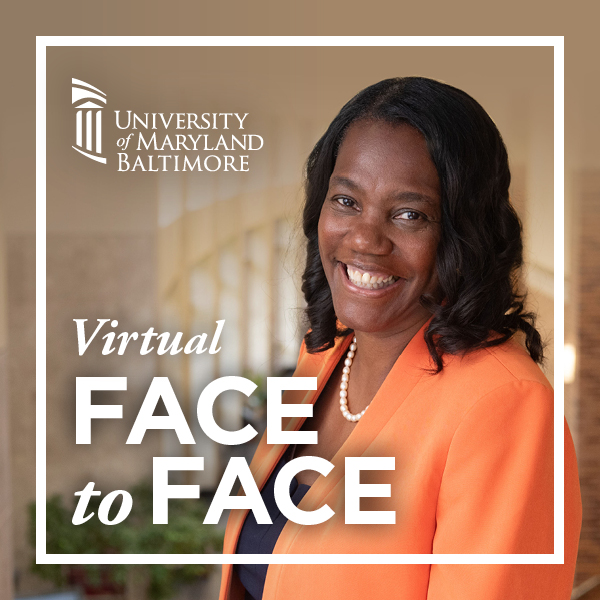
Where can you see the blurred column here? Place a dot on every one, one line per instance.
(588, 374)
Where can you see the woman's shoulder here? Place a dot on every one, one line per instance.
(484, 396)
(494, 378)
(503, 364)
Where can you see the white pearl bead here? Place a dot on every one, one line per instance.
(344, 386)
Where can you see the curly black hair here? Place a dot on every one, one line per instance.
(480, 251)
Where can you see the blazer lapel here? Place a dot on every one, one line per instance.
(267, 456)
(412, 365)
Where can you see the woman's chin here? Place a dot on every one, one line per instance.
(362, 322)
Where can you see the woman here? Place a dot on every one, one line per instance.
(410, 283)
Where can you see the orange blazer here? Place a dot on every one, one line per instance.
(473, 448)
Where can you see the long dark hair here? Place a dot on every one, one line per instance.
(480, 250)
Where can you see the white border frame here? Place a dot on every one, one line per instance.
(42, 42)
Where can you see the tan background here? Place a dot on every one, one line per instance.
(519, 111)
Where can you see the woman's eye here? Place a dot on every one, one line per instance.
(409, 215)
(345, 201)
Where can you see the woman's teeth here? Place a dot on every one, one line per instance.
(367, 281)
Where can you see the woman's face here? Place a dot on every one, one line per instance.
(379, 228)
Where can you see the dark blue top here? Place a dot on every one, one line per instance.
(261, 539)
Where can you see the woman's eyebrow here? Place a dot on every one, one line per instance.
(412, 196)
(339, 179)
(417, 197)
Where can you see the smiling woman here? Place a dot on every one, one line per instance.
(413, 252)
(381, 222)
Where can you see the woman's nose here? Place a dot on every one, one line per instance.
(369, 236)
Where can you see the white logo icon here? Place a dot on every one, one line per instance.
(86, 99)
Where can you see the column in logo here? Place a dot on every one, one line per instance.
(89, 102)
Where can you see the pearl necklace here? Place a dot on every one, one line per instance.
(344, 386)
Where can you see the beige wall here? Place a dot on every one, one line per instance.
(21, 388)
(6, 514)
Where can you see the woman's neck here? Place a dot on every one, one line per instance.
(377, 353)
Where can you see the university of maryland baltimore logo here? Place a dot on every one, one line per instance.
(88, 102)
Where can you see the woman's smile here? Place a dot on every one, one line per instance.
(379, 228)
(369, 280)
(362, 279)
